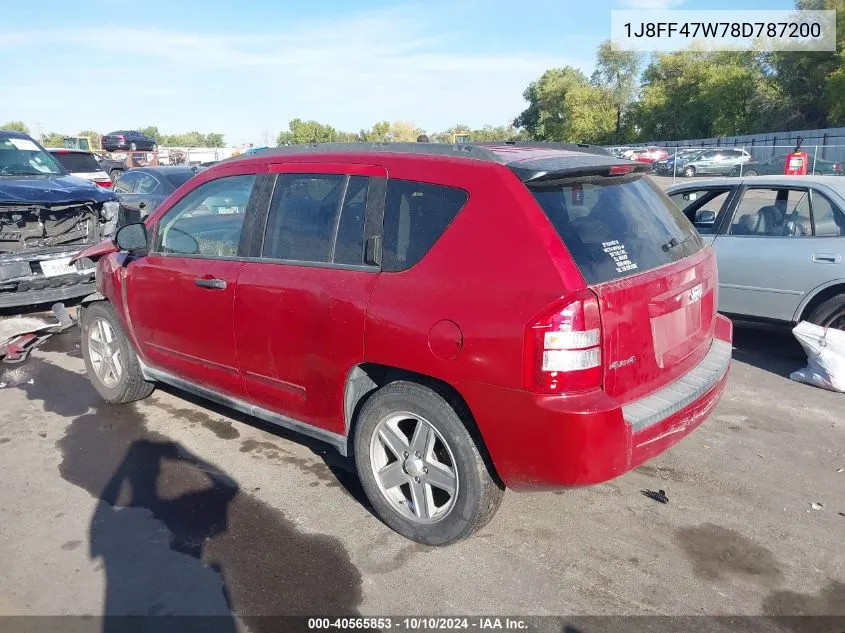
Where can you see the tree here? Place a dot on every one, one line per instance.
(301, 132)
(15, 126)
(213, 139)
(810, 82)
(564, 106)
(617, 72)
(53, 139)
(403, 132)
(379, 133)
(151, 131)
(697, 94)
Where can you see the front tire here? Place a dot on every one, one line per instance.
(688, 172)
(750, 173)
(133, 146)
(110, 361)
(421, 468)
(830, 314)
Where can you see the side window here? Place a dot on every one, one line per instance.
(126, 183)
(703, 207)
(208, 220)
(416, 214)
(774, 212)
(828, 220)
(146, 184)
(349, 245)
(303, 217)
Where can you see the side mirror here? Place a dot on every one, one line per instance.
(705, 216)
(131, 237)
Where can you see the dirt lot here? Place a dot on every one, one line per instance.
(175, 506)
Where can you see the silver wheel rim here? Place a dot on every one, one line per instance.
(414, 467)
(104, 351)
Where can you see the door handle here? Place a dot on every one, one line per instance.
(827, 258)
(214, 284)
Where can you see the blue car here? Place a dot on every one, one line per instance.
(46, 215)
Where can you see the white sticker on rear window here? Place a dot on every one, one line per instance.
(24, 143)
(619, 255)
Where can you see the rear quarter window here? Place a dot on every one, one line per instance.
(617, 227)
(416, 214)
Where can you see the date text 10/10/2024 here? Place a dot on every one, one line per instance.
(419, 623)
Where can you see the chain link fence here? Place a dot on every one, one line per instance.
(746, 160)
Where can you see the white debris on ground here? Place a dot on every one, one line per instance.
(16, 375)
(15, 326)
(825, 349)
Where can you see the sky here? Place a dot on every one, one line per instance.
(245, 68)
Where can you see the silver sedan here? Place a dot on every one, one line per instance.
(779, 241)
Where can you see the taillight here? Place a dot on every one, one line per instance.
(563, 346)
(837, 167)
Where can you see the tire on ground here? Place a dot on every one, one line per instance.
(131, 386)
(479, 493)
(831, 310)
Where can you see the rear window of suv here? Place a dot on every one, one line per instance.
(77, 163)
(616, 227)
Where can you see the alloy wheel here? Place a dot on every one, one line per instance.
(104, 351)
(414, 467)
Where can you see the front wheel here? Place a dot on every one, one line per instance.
(750, 173)
(110, 361)
(830, 314)
(689, 172)
(421, 468)
(133, 146)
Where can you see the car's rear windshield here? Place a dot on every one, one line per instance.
(78, 163)
(179, 178)
(615, 227)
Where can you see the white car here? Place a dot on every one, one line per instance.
(81, 164)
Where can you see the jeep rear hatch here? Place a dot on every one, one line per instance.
(654, 280)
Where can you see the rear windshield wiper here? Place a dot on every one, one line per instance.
(675, 242)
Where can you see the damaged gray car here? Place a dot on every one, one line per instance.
(46, 215)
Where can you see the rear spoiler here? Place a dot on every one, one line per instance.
(537, 176)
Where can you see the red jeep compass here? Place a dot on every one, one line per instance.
(458, 318)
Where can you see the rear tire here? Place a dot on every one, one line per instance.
(830, 314)
(110, 362)
(114, 174)
(688, 172)
(133, 146)
(412, 446)
(750, 173)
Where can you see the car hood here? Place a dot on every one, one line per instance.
(50, 190)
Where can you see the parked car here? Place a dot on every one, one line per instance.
(652, 154)
(675, 163)
(406, 304)
(141, 190)
(776, 165)
(46, 216)
(81, 164)
(780, 245)
(131, 140)
(715, 162)
(111, 166)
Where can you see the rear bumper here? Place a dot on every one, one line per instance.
(561, 442)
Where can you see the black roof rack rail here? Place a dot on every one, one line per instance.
(461, 150)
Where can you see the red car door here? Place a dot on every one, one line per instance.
(181, 294)
(300, 308)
